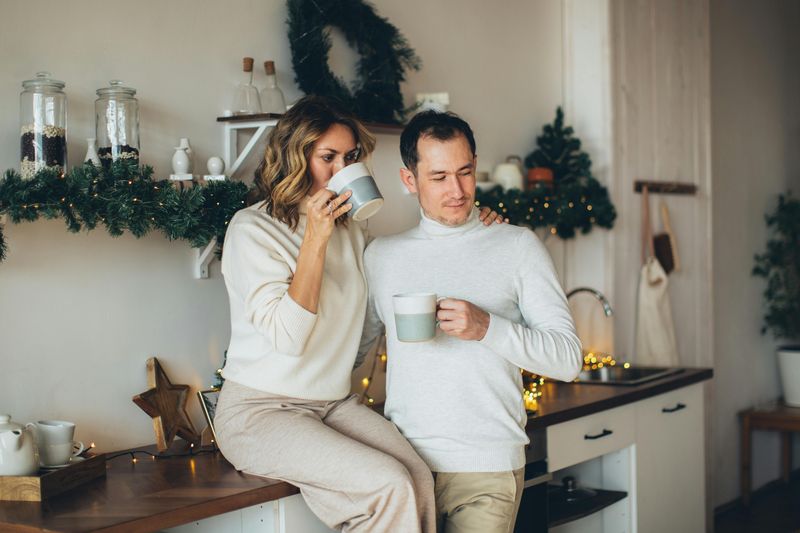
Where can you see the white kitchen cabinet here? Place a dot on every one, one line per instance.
(286, 515)
(585, 438)
(670, 462)
(665, 478)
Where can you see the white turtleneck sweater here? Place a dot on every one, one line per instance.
(276, 345)
(459, 402)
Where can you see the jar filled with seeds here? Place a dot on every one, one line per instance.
(117, 123)
(43, 125)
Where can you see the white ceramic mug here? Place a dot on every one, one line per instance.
(415, 316)
(366, 199)
(54, 440)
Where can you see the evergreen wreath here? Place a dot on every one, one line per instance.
(124, 197)
(384, 56)
(576, 201)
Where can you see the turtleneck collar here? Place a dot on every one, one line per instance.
(433, 228)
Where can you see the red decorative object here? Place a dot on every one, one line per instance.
(166, 404)
(541, 175)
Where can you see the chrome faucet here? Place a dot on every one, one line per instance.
(597, 294)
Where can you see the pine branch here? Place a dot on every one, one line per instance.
(122, 198)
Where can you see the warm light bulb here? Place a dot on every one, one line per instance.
(365, 381)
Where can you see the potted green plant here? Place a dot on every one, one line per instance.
(780, 266)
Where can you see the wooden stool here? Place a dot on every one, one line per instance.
(771, 417)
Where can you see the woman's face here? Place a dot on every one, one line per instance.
(332, 152)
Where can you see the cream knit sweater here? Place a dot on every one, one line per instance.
(276, 345)
(459, 402)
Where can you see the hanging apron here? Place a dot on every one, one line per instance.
(655, 331)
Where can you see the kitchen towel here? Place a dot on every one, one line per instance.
(655, 331)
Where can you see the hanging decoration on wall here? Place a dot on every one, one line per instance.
(573, 200)
(166, 405)
(124, 197)
(384, 53)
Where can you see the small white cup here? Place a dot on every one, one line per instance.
(366, 199)
(54, 440)
(415, 316)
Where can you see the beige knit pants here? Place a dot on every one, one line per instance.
(353, 467)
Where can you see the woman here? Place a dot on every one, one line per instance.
(294, 273)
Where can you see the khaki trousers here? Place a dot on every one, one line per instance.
(478, 502)
(355, 470)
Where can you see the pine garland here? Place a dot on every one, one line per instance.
(576, 201)
(384, 56)
(124, 198)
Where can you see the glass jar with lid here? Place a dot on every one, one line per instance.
(43, 125)
(116, 113)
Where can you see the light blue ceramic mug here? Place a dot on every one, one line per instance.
(415, 316)
(366, 199)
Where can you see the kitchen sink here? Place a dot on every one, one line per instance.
(619, 375)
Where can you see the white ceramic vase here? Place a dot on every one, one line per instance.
(215, 166)
(184, 143)
(789, 366)
(508, 176)
(180, 161)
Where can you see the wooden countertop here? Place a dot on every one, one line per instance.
(150, 495)
(159, 493)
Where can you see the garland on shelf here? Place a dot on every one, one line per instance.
(574, 201)
(123, 198)
(384, 56)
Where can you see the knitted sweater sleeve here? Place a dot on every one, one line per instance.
(373, 325)
(257, 271)
(546, 344)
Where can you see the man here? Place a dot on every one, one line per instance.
(457, 398)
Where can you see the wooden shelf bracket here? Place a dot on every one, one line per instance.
(204, 258)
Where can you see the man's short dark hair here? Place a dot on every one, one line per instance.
(440, 126)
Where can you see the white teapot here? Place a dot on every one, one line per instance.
(18, 453)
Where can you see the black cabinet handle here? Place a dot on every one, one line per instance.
(677, 407)
(605, 433)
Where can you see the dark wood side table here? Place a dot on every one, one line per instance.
(770, 417)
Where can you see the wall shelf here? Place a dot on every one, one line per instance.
(665, 187)
(262, 123)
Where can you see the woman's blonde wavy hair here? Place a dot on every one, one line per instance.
(283, 179)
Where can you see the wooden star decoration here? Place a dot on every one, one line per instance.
(166, 404)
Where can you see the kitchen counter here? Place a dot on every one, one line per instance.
(155, 494)
(566, 401)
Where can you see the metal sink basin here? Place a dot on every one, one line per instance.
(618, 375)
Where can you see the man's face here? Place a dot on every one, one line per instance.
(445, 179)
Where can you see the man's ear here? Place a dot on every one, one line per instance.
(409, 180)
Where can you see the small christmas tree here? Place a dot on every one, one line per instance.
(575, 199)
(559, 151)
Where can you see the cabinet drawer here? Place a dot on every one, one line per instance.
(673, 405)
(590, 436)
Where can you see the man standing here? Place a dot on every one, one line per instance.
(457, 398)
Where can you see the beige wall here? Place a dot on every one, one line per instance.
(79, 314)
(756, 134)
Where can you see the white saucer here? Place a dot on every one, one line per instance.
(71, 461)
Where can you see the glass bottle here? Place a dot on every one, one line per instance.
(272, 100)
(43, 125)
(245, 97)
(116, 112)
